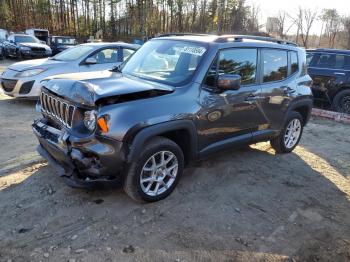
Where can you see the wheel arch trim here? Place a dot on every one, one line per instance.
(155, 130)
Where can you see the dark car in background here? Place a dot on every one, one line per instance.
(61, 43)
(25, 46)
(330, 71)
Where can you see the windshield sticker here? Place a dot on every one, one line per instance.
(199, 51)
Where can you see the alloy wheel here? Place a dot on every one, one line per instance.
(292, 134)
(159, 173)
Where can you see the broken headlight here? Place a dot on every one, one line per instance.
(90, 120)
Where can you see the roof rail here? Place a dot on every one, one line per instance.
(239, 38)
(182, 34)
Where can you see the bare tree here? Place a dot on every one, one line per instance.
(346, 25)
(304, 21)
(331, 22)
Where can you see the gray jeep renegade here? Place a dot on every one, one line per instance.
(177, 99)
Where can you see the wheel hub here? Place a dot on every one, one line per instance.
(292, 133)
(159, 173)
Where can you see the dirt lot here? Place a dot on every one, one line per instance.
(242, 205)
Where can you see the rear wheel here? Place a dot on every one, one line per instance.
(341, 102)
(157, 171)
(290, 136)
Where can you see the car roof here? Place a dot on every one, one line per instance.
(122, 44)
(330, 50)
(232, 40)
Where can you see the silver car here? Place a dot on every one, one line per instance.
(23, 79)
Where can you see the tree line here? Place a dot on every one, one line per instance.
(126, 18)
(129, 19)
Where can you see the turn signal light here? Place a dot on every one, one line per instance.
(103, 125)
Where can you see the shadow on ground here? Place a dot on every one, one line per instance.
(243, 204)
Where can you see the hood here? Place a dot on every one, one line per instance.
(99, 85)
(35, 63)
(35, 45)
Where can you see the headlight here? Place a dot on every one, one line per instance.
(90, 120)
(30, 72)
(25, 48)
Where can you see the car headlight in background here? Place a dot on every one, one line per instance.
(30, 72)
(90, 120)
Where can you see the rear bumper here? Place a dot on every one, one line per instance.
(84, 163)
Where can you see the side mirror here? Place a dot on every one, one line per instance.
(90, 61)
(229, 82)
(42, 42)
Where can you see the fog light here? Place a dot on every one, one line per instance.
(90, 120)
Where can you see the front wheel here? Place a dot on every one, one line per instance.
(157, 171)
(341, 102)
(290, 136)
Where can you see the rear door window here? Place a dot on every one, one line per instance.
(325, 61)
(275, 65)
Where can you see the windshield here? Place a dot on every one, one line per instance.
(167, 61)
(64, 41)
(26, 39)
(73, 53)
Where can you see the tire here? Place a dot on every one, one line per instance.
(341, 102)
(19, 55)
(281, 144)
(145, 168)
(4, 53)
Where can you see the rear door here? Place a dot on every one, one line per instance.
(277, 83)
(231, 114)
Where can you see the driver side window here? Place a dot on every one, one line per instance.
(109, 55)
(234, 61)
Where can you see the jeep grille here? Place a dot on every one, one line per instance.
(57, 108)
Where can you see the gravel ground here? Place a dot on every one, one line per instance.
(240, 205)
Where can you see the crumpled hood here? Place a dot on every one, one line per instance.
(35, 63)
(88, 88)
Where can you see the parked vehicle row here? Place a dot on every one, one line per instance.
(33, 43)
(23, 79)
(177, 99)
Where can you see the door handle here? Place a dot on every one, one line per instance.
(339, 73)
(288, 91)
(251, 98)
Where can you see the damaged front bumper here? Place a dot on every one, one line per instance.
(83, 162)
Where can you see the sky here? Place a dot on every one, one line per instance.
(272, 7)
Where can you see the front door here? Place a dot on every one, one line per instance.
(230, 114)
